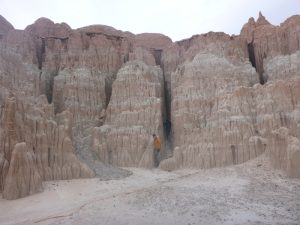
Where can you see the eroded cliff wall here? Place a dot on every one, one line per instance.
(228, 99)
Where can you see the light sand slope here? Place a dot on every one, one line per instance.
(251, 193)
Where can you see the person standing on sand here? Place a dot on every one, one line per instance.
(156, 149)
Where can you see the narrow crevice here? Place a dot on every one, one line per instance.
(167, 126)
(50, 76)
(49, 86)
(167, 119)
(41, 56)
(251, 54)
(157, 53)
(41, 48)
(125, 58)
(40, 53)
(167, 105)
(108, 90)
(157, 56)
(65, 44)
(252, 59)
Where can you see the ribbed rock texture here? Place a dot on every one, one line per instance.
(236, 127)
(22, 177)
(36, 146)
(53, 80)
(133, 115)
(266, 41)
(207, 118)
(220, 114)
(284, 151)
(229, 99)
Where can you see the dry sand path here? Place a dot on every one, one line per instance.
(251, 193)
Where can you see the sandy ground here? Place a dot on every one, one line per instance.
(251, 193)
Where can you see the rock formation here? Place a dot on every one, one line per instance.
(284, 151)
(236, 126)
(36, 146)
(207, 115)
(133, 115)
(229, 99)
(8, 137)
(22, 177)
(217, 121)
(266, 41)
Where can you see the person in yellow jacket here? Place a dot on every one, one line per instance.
(156, 149)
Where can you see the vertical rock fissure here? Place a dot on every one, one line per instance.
(40, 53)
(251, 54)
(167, 121)
(167, 106)
(49, 88)
(157, 56)
(50, 85)
(252, 59)
(166, 101)
(108, 89)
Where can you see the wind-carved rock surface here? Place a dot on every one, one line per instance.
(217, 125)
(266, 41)
(8, 138)
(218, 44)
(51, 139)
(46, 152)
(22, 178)
(236, 126)
(104, 90)
(36, 145)
(284, 151)
(81, 91)
(207, 124)
(283, 67)
(74, 69)
(215, 120)
(133, 115)
(19, 175)
(5, 26)
(80, 64)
